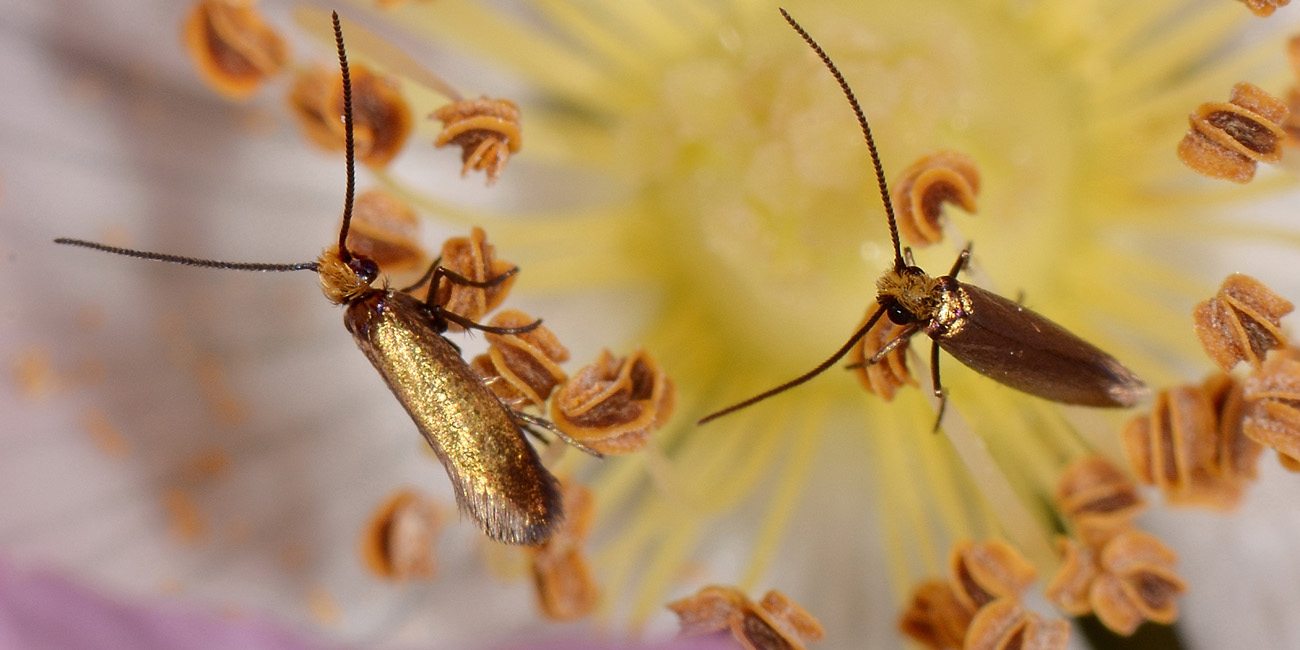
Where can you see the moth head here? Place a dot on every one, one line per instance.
(345, 278)
(908, 295)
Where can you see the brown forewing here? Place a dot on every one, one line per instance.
(498, 478)
(1017, 347)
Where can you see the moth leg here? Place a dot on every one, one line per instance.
(437, 273)
(424, 278)
(535, 434)
(527, 427)
(962, 259)
(511, 404)
(469, 324)
(454, 346)
(903, 337)
(456, 278)
(938, 386)
(526, 419)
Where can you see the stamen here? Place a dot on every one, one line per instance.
(979, 606)
(924, 187)
(566, 587)
(475, 259)
(934, 617)
(487, 130)
(386, 230)
(1227, 139)
(382, 120)
(1241, 322)
(1124, 580)
(1005, 625)
(522, 369)
(1272, 398)
(398, 542)
(1096, 498)
(885, 377)
(233, 47)
(1178, 446)
(613, 405)
(777, 623)
(982, 573)
(1264, 8)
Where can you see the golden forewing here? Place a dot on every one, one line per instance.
(498, 477)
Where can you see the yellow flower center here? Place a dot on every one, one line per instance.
(756, 170)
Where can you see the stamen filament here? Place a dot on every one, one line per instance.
(942, 476)
(650, 24)
(744, 455)
(692, 17)
(904, 504)
(1128, 24)
(661, 570)
(1122, 115)
(1017, 520)
(788, 490)
(1024, 442)
(541, 59)
(1163, 58)
(901, 575)
(373, 50)
(1097, 430)
(633, 539)
(615, 51)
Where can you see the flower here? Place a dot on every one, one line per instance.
(37, 607)
(713, 185)
(42, 608)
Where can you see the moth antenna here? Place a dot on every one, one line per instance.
(344, 254)
(839, 354)
(349, 142)
(187, 261)
(866, 131)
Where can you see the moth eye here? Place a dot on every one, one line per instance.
(899, 315)
(365, 268)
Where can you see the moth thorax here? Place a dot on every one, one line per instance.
(912, 289)
(338, 281)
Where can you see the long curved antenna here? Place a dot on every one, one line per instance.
(866, 131)
(344, 253)
(821, 367)
(187, 261)
(349, 142)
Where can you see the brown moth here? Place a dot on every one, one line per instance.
(996, 337)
